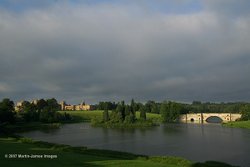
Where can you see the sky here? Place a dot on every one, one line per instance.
(113, 50)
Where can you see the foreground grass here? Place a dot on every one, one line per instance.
(64, 156)
(76, 156)
(80, 116)
(238, 124)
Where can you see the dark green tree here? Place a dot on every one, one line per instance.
(245, 111)
(52, 104)
(128, 110)
(123, 110)
(120, 112)
(29, 112)
(45, 116)
(106, 115)
(115, 116)
(133, 110)
(143, 113)
(155, 108)
(41, 104)
(7, 114)
(170, 111)
(196, 103)
(133, 105)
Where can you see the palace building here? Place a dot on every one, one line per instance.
(80, 107)
(64, 107)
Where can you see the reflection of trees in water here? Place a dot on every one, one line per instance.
(172, 128)
(124, 133)
(48, 131)
(106, 134)
(118, 131)
(123, 130)
(143, 131)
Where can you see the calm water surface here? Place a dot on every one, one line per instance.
(192, 141)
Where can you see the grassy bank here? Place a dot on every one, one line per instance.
(63, 155)
(238, 124)
(96, 117)
(80, 116)
(136, 124)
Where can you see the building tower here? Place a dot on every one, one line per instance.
(63, 105)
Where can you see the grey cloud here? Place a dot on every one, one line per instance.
(106, 52)
(229, 8)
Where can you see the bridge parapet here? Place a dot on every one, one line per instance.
(202, 117)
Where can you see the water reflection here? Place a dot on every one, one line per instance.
(198, 142)
(173, 128)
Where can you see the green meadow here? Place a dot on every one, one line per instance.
(238, 124)
(80, 116)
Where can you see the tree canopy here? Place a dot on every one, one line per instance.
(7, 114)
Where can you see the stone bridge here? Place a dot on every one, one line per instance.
(202, 117)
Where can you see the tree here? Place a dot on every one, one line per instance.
(41, 104)
(130, 114)
(129, 119)
(7, 111)
(28, 112)
(147, 107)
(245, 111)
(110, 105)
(106, 115)
(115, 117)
(133, 105)
(45, 116)
(128, 110)
(170, 111)
(155, 108)
(120, 112)
(133, 110)
(143, 113)
(52, 104)
(196, 103)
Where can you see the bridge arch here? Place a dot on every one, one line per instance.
(214, 119)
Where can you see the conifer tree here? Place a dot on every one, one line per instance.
(143, 113)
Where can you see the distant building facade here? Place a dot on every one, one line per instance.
(64, 107)
(80, 107)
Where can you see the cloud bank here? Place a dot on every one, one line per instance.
(114, 51)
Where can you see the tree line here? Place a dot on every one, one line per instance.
(43, 111)
(122, 113)
(126, 113)
(170, 110)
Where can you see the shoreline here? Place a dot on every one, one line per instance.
(94, 152)
(237, 124)
(21, 151)
(61, 150)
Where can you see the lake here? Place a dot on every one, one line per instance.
(197, 142)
